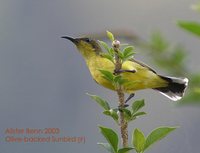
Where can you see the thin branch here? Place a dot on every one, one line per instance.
(120, 93)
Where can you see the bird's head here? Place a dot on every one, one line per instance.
(85, 45)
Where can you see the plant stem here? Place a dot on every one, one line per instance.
(120, 93)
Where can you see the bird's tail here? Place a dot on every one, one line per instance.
(175, 89)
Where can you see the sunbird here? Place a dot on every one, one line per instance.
(138, 75)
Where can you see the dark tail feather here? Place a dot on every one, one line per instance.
(175, 89)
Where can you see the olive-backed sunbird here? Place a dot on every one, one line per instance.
(143, 77)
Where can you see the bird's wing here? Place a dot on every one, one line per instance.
(143, 64)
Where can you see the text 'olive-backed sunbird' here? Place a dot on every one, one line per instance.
(143, 77)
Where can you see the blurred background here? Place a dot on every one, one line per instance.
(44, 79)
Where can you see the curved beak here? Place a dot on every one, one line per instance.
(71, 39)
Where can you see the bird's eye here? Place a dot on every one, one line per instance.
(87, 40)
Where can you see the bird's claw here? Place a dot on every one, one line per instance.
(116, 72)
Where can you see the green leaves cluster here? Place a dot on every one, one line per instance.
(140, 143)
(129, 113)
(126, 54)
(115, 80)
(134, 112)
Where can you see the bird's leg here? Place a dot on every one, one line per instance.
(121, 108)
(129, 97)
(126, 105)
(116, 72)
(122, 71)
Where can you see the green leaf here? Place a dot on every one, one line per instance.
(134, 116)
(112, 113)
(108, 56)
(110, 36)
(107, 146)
(107, 75)
(125, 150)
(128, 53)
(119, 80)
(128, 57)
(138, 140)
(111, 52)
(120, 54)
(190, 26)
(128, 50)
(104, 45)
(103, 103)
(137, 105)
(127, 113)
(157, 135)
(111, 137)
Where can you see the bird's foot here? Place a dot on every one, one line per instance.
(120, 108)
(122, 71)
(129, 97)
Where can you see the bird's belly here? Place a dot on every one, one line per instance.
(95, 66)
(135, 81)
(141, 79)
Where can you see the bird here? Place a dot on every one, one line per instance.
(138, 74)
